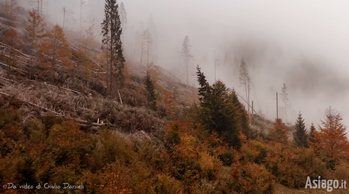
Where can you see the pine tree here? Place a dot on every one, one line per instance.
(123, 14)
(311, 134)
(35, 27)
(146, 46)
(279, 132)
(88, 36)
(205, 89)
(284, 96)
(245, 81)
(111, 32)
(300, 136)
(82, 3)
(331, 141)
(151, 92)
(57, 46)
(220, 111)
(185, 52)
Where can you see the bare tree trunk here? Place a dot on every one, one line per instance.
(277, 107)
(285, 112)
(41, 6)
(64, 17)
(142, 50)
(120, 97)
(111, 64)
(186, 67)
(148, 54)
(248, 98)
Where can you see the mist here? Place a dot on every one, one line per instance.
(303, 44)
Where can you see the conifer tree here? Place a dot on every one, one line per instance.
(151, 91)
(35, 27)
(245, 81)
(331, 141)
(311, 134)
(279, 132)
(300, 136)
(82, 3)
(185, 52)
(284, 96)
(204, 90)
(146, 46)
(220, 110)
(111, 32)
(57, 45)
(123, 14)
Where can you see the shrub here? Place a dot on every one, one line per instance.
(251, 178)
(227, 158)
(167, 184)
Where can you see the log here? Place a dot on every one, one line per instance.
(5, 45)
(82, 122)
(14, 68)
(120, 97)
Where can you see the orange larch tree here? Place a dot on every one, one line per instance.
(330, 141)
(279, 132)
(57, 46)
(12, 40)
(169, 103)
(35, 27)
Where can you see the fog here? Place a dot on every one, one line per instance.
(303, 44)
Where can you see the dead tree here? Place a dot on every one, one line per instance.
(185, 52)
(245, 81)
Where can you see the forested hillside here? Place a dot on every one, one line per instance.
(79, 112)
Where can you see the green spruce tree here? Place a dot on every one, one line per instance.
(311, 134)
(300, 136)
(204, 89)
(111, 43)
(221, 111)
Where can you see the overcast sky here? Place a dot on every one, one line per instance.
(303, 44)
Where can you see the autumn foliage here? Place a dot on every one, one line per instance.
(331, 141)
(35, 30)
(163, 148)
(279, 132)
(12, 39)
(57, 46)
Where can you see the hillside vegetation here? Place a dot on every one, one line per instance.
(62, 120)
